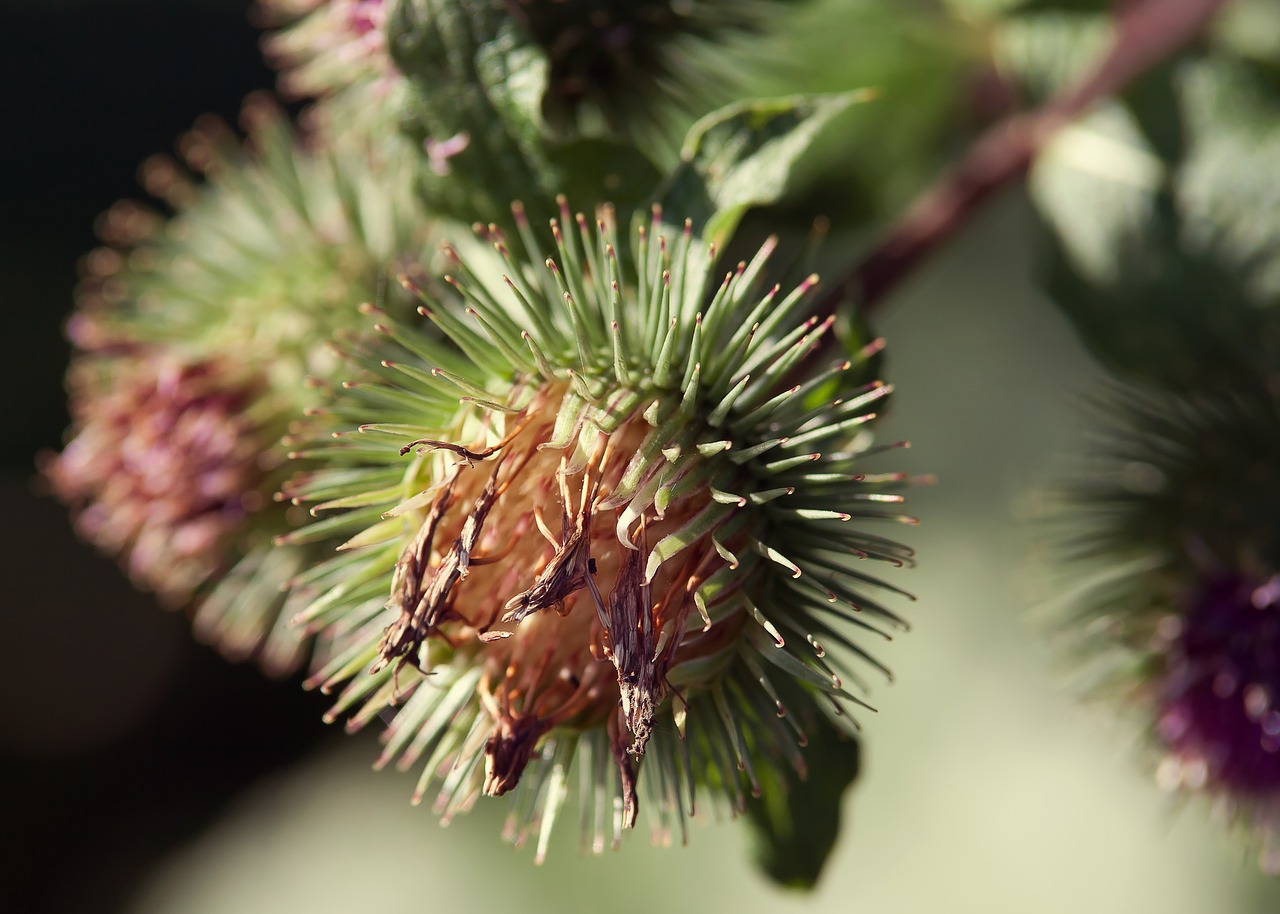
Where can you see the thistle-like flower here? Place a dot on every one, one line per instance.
(598, 524)
(334, 51)
(1190, 590)
(1221, 682)
(196, 338)
(167, 465)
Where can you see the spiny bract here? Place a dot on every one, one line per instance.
(598, 523)
(1186, 597)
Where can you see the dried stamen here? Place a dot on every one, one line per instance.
(424, 603)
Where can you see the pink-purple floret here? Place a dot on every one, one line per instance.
(1220, 697)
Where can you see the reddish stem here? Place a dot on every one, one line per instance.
(1146, 33)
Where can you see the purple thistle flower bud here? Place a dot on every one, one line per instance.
(1222, 676)
(1187, 597)
(200, 338)
(165, 466)
(1218, 717)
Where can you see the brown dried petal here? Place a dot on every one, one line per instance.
(434, 597)
(564, 575)
(633, 646)
(626, 771)
(508, 750)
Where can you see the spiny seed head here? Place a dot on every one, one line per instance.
(262, 257)
(1216, 698)
(200, 338)
(604, 515)
(1184, 544)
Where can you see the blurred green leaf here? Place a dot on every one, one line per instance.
(928, 67)
(1250, 29)
(795, 821)
(640, 68)
(1164, 218)
(1089, 6)
(743, 156)
(477, 82)
(1042, 51)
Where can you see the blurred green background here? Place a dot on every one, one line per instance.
(141, 773)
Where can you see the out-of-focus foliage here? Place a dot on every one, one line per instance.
(927, 68)
(1163, 213)
(633, 67)
(795, 822)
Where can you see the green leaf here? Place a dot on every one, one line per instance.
(476, 84)
(1042, 51)
(744, 155)
(1251, 29)
(634, 68)
(795, 821)
(924, 60)
(455, 58)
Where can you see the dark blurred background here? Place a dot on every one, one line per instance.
(119, 736)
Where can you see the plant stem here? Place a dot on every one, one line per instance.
(1147, 32)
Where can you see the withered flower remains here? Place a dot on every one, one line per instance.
(595, 525)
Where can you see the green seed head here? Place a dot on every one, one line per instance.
(600, 519)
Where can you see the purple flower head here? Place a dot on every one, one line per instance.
(333, 51)
(1220, 698)
(1218, 703)
(163, 469)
